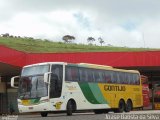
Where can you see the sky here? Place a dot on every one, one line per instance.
(125, 23)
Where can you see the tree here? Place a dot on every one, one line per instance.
(68, 38)
(90, 40)
(101, 41)
(5, 35)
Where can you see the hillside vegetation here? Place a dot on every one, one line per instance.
(45, 46)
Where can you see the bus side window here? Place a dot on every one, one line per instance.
(107, 76)
(83, 74)
(100, 72)
(121, 77)
(68, 74)
(114, 77)
(134, 79)
(137, 79)
(102, 76)
(97, 76)
(90, 76)
(118, 77)
(72, 73)
(130, 79)
(127, 77)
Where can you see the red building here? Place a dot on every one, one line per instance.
(11, 62)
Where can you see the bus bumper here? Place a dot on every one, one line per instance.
(33, 108)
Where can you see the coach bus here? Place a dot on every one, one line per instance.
(145, 91)
(65, 87)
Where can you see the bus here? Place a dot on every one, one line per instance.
(66, 87)
(156, 96)
(145, 91)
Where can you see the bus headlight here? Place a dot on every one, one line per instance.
(19, 102)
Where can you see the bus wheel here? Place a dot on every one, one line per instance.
(128, 106)
(121, 107)
(71, 106)
(44, 114)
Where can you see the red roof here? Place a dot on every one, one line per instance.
(116, 59)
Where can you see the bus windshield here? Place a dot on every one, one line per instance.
(34, 70)
(31, 84)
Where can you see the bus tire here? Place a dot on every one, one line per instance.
(128, 106)
(71, 107)
(121, 107)
(44, 114)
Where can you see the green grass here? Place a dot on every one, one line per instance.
(40, 46)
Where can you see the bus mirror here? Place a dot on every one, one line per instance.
(46, 77)
(13, 81)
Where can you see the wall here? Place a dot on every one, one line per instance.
(2, 87)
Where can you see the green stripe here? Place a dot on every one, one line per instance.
(97, 93)
(34, 101)
(88, 93)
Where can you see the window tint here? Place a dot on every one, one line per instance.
(83, 74)
(86, 75)
(58, 71)
(136, 79)
(97, 76)
(114, 77)
(107, 76)
(123, 77)
(103, 76)
(33, 70)
(90, 77)
(131, 80)
(56, 81)
(72, 73)
(118, 77)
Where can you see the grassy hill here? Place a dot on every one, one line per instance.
(41, 46)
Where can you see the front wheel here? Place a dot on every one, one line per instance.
(44, 114)
(69, 108)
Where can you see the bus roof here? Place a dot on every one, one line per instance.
(44, 63)
(106, 67)
(95, 65)
(89, 65)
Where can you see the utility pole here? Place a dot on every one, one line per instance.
(143, 40)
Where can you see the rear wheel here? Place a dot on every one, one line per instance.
(44, 114)
(121, 107)
(128, 106)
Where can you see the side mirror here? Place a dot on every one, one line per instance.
(46, 76)
(13, 81)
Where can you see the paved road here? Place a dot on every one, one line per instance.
(143, 115)
(88, 116)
